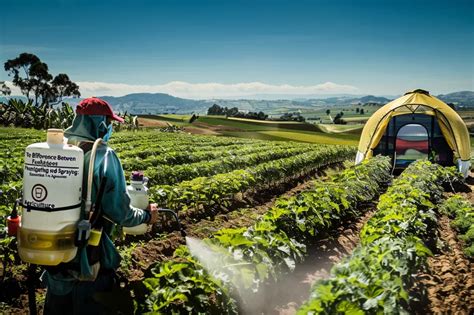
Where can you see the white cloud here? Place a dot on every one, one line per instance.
(14, 89)
(209, 90)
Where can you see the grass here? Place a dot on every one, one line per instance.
(361, 118)
(255, 125)
(222, 121)
(267, 122)
(331, 128)
(184, 118)
(296, 135)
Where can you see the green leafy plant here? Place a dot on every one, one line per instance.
(183, 286)
(248, 257)
(462, 213)
(221, 188)
(376, 278)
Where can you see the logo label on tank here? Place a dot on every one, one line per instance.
(55, 166)
(39, 192)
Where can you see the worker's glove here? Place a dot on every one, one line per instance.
(153, 210)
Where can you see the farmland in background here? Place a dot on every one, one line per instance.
(263, 130)
(280, 211)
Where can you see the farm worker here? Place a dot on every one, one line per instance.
(73, 287)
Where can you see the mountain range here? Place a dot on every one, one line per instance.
(141, 103)
(152, 103)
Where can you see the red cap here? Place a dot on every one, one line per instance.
(96, 106)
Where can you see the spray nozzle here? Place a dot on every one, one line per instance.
(14, 213)
(13, 221)
(175, 216)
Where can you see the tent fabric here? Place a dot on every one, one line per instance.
(452, 126)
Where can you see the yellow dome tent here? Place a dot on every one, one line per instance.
(432, 128)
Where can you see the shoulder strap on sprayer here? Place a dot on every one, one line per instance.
(90, 178)
(84, 225)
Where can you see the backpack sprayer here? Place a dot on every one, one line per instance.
(50, 227)
(50, 230)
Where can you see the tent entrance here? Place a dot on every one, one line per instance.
(411, 144)
(414, 136)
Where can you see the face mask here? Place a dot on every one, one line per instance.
(109, 129)
(109, 133)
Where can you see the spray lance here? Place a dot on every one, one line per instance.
(138, 192)
(175, 216)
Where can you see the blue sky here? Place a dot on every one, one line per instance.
(221, 48)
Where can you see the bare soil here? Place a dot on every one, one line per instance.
(150, 122)
(450, 278)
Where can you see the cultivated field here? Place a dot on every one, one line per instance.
(274, 227)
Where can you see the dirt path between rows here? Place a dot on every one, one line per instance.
(450, 278)
(289, 293)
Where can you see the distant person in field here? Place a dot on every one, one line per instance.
(74, 287)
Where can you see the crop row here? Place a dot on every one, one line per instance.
(244, 258)
(137, 137)
(462, 213)
(11, 156)
(221, 188)
(377, 277)
(125, 142)
(175, 155)
(171, 174)
(143, 150)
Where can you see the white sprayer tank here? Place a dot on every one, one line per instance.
(52, 192)
(138, 193)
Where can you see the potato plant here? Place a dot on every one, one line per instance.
(220, 189)
(269, 248)
(462, 213)
(376, 278)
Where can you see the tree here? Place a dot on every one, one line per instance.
(357, 110)
(39, 81)
(232, 111)
(4, 89)
(292, 117)
(62, 87)
(362, 111)
(29, 64)
(32, 76)
(328, 111)
(215, 110)
(338, 119)
(261, 116)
